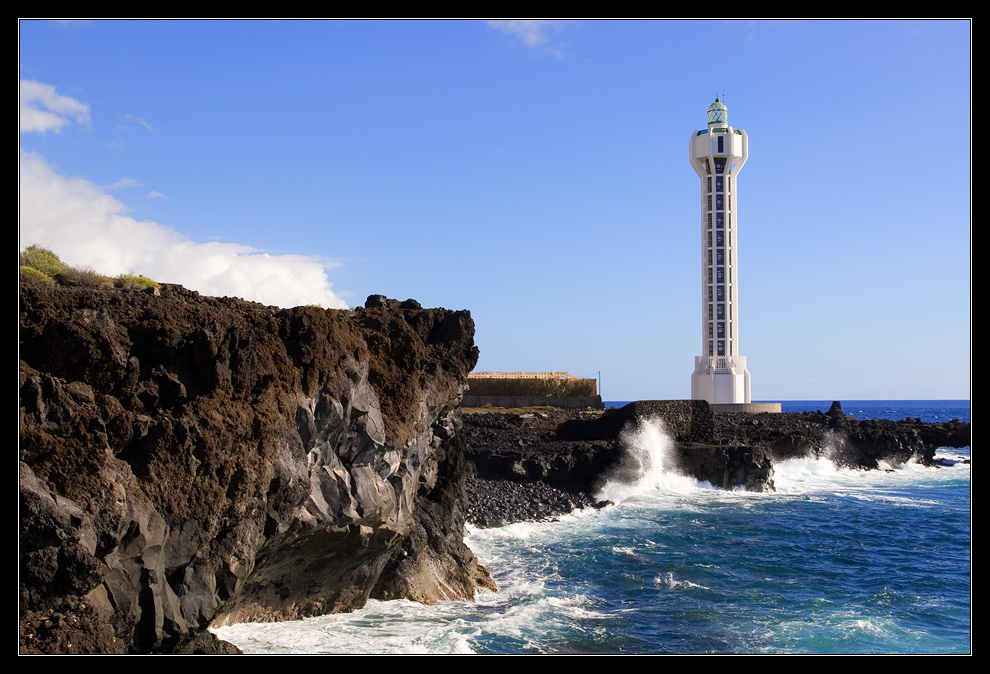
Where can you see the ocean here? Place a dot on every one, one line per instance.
(835, 561)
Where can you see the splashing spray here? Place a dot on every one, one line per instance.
(647, 462)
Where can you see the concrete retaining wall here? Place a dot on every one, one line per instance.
(594, 402)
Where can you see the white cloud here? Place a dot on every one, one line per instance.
(133, 118)
(85, 226)
(125, 182)
(534, 34)
(42, 109)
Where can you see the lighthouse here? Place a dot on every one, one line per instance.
(717, 154)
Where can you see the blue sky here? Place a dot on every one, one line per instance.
(535, 173)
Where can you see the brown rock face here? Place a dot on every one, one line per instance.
(188, 458)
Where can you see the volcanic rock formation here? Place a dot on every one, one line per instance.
(539, 465)
(185, 459)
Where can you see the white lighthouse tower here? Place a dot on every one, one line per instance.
(717, 155)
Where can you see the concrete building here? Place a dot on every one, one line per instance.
(717, 155)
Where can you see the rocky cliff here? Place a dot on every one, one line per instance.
(185, 459)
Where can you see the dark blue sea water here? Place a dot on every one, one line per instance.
(894, 410)
(835, 561)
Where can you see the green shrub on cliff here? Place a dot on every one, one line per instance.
(32, 275)
(86, 277)
(42, 260)
(40, 265)
(135, 281)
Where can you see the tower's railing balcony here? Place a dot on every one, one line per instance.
(720, 364)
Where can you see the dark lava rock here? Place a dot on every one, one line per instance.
(185, 459)
(533, 466)
(495, 503)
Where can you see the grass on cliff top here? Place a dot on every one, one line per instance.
(40, 265)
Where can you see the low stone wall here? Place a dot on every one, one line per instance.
(567, 403)
(542, 384)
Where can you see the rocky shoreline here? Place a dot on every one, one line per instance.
(539, 465)
(189, 460)
(494, 502)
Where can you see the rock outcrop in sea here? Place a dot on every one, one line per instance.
(187, 459)
(540, 465)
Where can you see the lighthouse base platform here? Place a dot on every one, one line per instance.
(746, 408)
(720, 380)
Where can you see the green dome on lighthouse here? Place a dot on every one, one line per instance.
(718, 113)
